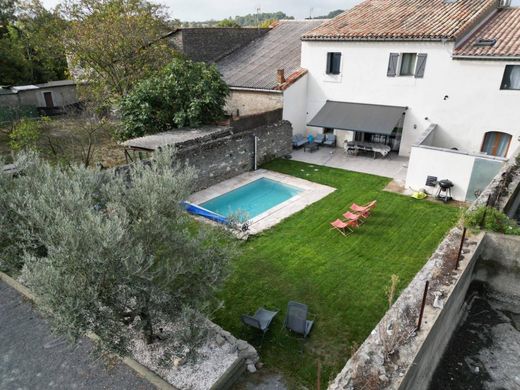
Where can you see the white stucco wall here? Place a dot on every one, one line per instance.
(475, 103)
(295, 105)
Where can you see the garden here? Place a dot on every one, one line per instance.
(343, 280)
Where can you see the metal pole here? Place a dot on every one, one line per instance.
(256, 152)
(460, 248)
(422, 305)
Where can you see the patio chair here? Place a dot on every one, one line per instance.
(261, 320)
(364, 210)
(350, 216)
(298, 141)
(344, 227)
(296, 318)
(319, 139)
(330, 140)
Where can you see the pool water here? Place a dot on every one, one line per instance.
(252, 199)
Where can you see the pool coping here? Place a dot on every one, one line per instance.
(311, 193)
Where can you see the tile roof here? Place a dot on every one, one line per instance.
(405, 20)
(255, 65)
(504, 27)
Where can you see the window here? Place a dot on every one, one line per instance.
(511, 79)
(333, 63)
(496, 143)
(407, 64)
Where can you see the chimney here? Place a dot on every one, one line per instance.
(280, 76)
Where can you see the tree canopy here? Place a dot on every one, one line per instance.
(113, 254)
(31, 49)
(183, 94)
(112, 44)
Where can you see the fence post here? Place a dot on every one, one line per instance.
(460, 248)
(422, 305)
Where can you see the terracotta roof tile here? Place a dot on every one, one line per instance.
(504, 27)
(405, 20)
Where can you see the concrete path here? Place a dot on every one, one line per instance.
(32, 358)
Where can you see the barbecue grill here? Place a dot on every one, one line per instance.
(444, 191)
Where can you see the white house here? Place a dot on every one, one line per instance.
(436, 80)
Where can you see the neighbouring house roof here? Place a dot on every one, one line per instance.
(170, 138)
(256, 64)
(210, 44)
(23, 88)
(502, 32)
(405, 20)
(50, 84)
(59, 83)
(368, 118)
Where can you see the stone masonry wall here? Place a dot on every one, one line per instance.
(229, 153)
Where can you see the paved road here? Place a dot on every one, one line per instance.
(31, 358)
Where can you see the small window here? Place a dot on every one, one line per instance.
(496, 143)
(407, 64)
(511, 79)
(333, 63)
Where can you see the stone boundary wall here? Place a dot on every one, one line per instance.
(223, 155)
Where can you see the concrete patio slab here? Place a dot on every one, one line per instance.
(392, 166)
(311, 192)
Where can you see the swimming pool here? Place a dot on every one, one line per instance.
(251, 200)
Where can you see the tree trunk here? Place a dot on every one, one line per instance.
(147, 322)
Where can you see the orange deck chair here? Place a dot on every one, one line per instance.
(364, 210)
(344, 228)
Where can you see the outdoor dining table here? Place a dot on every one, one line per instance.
(353, 147)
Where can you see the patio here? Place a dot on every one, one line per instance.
(393, 166)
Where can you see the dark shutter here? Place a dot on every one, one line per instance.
(421, 65)
(392, 65)
(336, 62)
(329, 62)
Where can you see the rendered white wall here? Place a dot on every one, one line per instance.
(430, 162)
(475, 103)
(295, 105)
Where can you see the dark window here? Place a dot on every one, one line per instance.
(407, 64)
(496, 143)
(333, 63)
(511, 79)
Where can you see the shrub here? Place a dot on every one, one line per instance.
(183, 94)
(489, 218)
(25, 135)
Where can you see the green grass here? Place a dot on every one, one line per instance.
(342, 280)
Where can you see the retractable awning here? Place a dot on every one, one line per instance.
(366, 118)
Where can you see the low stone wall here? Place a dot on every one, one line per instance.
(231, 152)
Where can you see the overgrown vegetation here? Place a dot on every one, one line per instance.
(342, 280)
(489, 218)
(183, 94)
(113, 254)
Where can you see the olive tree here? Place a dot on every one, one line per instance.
(115, 254)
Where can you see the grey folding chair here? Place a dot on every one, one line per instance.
(330, 140)
(261, 320)
(296, 318)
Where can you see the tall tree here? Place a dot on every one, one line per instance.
(114, 43)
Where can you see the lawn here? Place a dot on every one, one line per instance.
(341, 279)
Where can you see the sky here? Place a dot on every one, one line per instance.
(199, 10)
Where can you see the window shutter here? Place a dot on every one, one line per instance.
(392, 65)
(336, 62)
(329, 60)
(421, 65)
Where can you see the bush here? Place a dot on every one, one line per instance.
(489, 218)
(25, 135)
(183, 94)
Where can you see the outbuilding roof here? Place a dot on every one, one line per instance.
(498, 37)
(405, 20)
(255, 65)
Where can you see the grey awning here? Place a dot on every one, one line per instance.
(367, 118)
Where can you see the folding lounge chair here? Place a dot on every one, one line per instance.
(261, 320)
(344, 228)
(364, 210)
(349, 216)
(296, 318)
(330, 140)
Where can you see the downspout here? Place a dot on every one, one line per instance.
(256, 153)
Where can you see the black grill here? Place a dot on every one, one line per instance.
(444, 192)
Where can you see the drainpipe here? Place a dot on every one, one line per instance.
(256, 152)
